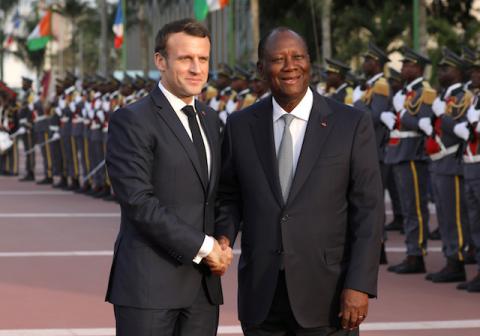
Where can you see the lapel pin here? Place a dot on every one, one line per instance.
(203, 113)
(323, 123)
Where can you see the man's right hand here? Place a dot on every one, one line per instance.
(220, 258)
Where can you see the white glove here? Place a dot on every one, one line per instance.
(61, 103)
(231, 106)
(78, 98)
(477, 129)
(101, 116)
(58, 111)
(98, 104)
(56, 136)
(438, 107)
(473, 115)
(425, 124)
(357, 93)
(72, 107)
(398, 101)
(461, 130)
(21, 131)
(389, 119)
(31, 107)
(106, 106)
(90, 111)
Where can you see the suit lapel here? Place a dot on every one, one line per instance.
(209, 128)
(167, 113)
(262, 130)
(318, 127)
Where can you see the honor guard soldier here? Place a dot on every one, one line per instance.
(444, 148)
(469, 58)
(337, 86)
(74, 130)
(57, 147)
(25, 116)
(42, 137)
(374, 98)
(469, 129)
(222, 84)
(412, 106)
(258, 86)
(241, 84)
(396, 84)
(9, 125)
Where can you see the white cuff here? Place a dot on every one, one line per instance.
(205, 249)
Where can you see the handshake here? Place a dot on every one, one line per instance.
(221, 256)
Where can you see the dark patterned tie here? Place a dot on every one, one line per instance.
(197, 139)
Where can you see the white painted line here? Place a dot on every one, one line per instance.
(61, 215)
(236, 329)
(56, 254)
(35, 193)
(102, 253)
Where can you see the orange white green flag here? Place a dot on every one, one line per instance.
(42, 33)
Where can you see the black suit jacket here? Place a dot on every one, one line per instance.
(166, 206)
(328, 232)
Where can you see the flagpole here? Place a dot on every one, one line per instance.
(124, 45)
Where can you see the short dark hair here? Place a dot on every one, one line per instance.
(263, 41)
(188, 26)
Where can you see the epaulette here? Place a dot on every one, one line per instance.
(429, 94)
(349, 96)
(381, 87)
(211, 92)
(249, 100)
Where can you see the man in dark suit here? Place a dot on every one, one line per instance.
(301, 172)
(163, 159)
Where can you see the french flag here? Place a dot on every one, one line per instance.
(118, 26)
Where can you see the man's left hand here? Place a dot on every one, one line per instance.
(353, 308)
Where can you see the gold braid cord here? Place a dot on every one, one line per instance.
(456, 111)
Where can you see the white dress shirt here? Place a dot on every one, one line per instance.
(301, 112)
(177, 104)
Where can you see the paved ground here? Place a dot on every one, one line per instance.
(55, 254)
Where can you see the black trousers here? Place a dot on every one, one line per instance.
(200, 319)
(281, 322)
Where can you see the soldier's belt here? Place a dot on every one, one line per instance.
(86, 121)
(471, 158)
(444, 152)
(396, 134)
(53, 128)
(77, 120)
(95, 126)
(64, 119)
(23, 121)
(40, 118)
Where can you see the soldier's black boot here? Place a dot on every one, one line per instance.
(383, 255)
(454, 271)
(469, 256)
(46, 180)
(396, 224)
(29, 177)
(411, 265)
(474, 284)
(62, 184)
(74, 185)
(435, 235)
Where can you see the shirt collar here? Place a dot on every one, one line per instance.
(452, 88)
(176, 103)
(301, 111)
(413, 83)
(374, 78)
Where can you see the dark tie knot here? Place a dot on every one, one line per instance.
(189, 111)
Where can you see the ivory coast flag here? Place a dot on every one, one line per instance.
(40, 36)
(202, 7)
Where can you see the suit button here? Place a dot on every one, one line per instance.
(278, 252)
(206, 203)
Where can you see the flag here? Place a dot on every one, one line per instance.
(202, 7)
(118, 26)
(40, 36)
(15, 25)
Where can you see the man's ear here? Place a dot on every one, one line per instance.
(260, 69)
(160, 62)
